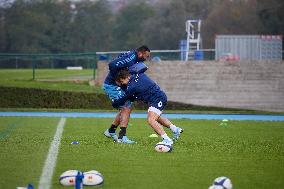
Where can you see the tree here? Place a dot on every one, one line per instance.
(36, 26)
(92, 27)
(59, 20)
(271, 15)
(2, 30)
(167, 27)
(64, 26)
(128, 30)
(231, 17)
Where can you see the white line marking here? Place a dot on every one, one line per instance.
(50, 162)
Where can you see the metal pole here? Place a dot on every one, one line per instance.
(16, 62)
(94, 67)
(34, 65)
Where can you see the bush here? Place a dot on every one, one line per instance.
(14, 97)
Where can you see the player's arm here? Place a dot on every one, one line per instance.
(139, 67)
(124, 61)
(129, 95)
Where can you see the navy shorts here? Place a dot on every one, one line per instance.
(158, 105)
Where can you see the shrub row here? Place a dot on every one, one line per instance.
(15, 97)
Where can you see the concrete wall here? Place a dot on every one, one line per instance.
(246, 84)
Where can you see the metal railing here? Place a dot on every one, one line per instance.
(159, 55)
(86, 60)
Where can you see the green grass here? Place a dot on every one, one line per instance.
(251, 153)
(54, 79)
(24, 143)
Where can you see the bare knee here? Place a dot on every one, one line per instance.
(151, 120)
(125, 111)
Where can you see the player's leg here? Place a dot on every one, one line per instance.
(164, 121)
(124, 119)
(153, 116)
(116, 120)
(152, 121)
(113, 92)
(167, 123)
(111, 131)
(115, 123)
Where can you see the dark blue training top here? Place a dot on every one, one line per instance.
(122, 61)
(141, 88)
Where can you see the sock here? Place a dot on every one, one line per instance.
(112, 128)
(122, 132)
(165, 136)
(173, 128)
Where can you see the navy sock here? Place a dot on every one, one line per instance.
(122, 132)
(112, 128)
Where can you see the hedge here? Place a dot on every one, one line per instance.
(16, 97)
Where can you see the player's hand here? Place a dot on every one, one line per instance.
(119, 102)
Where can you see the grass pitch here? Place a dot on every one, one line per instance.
(53, 79)
(250, 153)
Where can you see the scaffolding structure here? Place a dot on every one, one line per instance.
(193, 29)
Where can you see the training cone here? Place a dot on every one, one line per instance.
(153, 136)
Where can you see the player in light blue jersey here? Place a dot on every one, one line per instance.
(141, 88)
(134, 61)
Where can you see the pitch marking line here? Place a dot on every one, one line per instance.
(50, 162)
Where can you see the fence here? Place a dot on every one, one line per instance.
(159, 55)
(49, 61)
(86, 61)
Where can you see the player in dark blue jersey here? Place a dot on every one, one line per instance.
(132, 60)
(141, 88)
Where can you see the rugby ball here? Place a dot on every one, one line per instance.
(93, 178)
(68, 178)
(162, 147)
(216, 187)
(222, 183)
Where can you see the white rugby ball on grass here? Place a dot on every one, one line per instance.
(222, 183)
(93, 178)
(162, 147)
(68, 178)
(216, 187)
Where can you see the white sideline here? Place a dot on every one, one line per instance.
(50, 162)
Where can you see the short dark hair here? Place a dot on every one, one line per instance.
(122, 74)
(143, 48)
